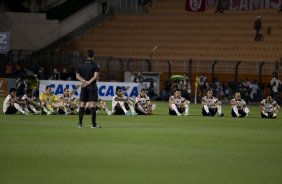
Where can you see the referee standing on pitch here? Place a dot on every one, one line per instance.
(88, 73)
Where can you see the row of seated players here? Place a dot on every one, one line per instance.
(65, 104)
(122, 105)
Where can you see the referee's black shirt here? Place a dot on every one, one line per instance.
(87, 69)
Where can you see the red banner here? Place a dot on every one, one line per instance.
(195, 5)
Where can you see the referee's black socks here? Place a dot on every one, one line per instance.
(81, 114)
(93, 114)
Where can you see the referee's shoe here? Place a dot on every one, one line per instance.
(96, 126)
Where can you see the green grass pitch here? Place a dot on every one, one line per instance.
(157, 149)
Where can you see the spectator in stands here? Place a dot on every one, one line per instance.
(219, 7)
(104, 6)
(65, 74)
(186, 91)
(55, 75)
(41, 74)
(274, 85)
(254, 91)
(257, 27)
(139, 78)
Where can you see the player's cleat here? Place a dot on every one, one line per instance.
(128, 113)
(68, 113)
(186, 114)
(274, 116)
(134, 113)
(178, 114)
(96, 126)
(49, 112)
(79, 125)
(26, 113)
(111, 112)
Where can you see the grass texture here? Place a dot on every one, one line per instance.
(157, 149)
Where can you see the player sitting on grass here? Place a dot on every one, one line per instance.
(121, 104)
(12, 105)
(71, 104)
(211, 105)
(178, 105)
(51, 104)
(268, 108)
(239, 106)
(31, 104)
(143, 105)
(99, 106)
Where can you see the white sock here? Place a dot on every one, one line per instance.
(32, 108)
(175, 108)
(206, 108)
(219, 109)
(235, 109)
(124, 109)
(19, 108)
(186, 108)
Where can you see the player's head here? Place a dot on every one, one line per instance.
(13, 92)
(209, 93)
(90, 53)
(29, 93)
(177, 92)
(48, 89)
(143, 92)
(237, 96)
(119, 91)
(66, 91)
(268, 99)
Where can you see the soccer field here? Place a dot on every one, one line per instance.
(157, 149)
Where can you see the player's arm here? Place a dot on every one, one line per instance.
(121, 99)
(171, 100)
(233, 102)
(204, 101)
(218, 102)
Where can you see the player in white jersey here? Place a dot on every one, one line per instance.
(178, 105)
(12, 105)
(211, 105)
(122, 104)
(268, 108)
(31, 104)
(143, 104)
(68, 103)
(239, 106)
(101, 105)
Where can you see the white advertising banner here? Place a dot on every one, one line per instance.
(106, 90)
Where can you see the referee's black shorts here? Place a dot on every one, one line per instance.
(89, 94)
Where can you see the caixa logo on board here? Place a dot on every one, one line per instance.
(110, 90)
(59, 88)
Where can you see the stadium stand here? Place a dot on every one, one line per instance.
(182, 35)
